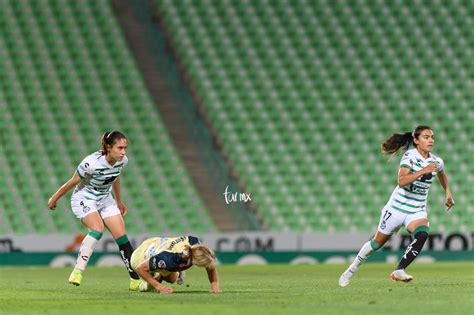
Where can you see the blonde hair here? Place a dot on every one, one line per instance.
(202, 255)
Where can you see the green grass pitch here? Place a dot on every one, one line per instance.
(439, 288)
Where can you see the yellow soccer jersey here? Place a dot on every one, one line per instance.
(164, 253)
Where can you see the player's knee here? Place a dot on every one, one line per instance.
(93, 221)
(96, 226)
(171, 278)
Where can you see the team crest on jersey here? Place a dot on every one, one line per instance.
(85, 208)
(161, 264)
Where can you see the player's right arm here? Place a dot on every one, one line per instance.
(144, 272)
(75, 179)
(405, 177)
(213, 279)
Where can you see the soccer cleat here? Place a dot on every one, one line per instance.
(400, 275)
(75, 278)
(135, 284)
(145, 287)
(344, 279)
(181, 277)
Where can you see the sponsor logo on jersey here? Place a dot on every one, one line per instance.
(161, 264)
(426, 177)
(176, 241)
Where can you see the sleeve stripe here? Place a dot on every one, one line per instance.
(78, 173)
(406, 166)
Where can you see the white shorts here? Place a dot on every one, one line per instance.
(392, 220)
(82, 206)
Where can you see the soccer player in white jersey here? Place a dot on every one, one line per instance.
(96, 177)
(165, 258)
(408, 203)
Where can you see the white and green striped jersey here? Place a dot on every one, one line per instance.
(97, 176)
(413, 198)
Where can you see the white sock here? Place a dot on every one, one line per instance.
(362, 256)
(85, 253)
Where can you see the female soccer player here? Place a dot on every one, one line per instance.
(97, 176)
(161, 258)
(407, 205)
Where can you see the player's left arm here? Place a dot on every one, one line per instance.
(213, 279)
(144, 272)
(118, 197)
(443, 179)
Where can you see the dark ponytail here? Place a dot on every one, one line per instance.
(398, 140)
(109, 138)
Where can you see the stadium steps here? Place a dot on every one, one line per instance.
(301, 94)
(130, 16)
(67, 77)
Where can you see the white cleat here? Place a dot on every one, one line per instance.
(144, 287)
(401, 275)
(346, 277)
(181, 277)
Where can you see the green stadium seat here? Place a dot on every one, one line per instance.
(301, 93)
(70, 77)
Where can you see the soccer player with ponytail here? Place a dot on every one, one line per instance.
(96, 178)
(408, 202)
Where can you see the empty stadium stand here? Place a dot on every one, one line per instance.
(302, 93)
(68, 76)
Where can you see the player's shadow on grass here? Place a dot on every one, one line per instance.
(207, 292)
(191, 291)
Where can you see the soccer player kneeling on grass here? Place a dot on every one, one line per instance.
(161, 258)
